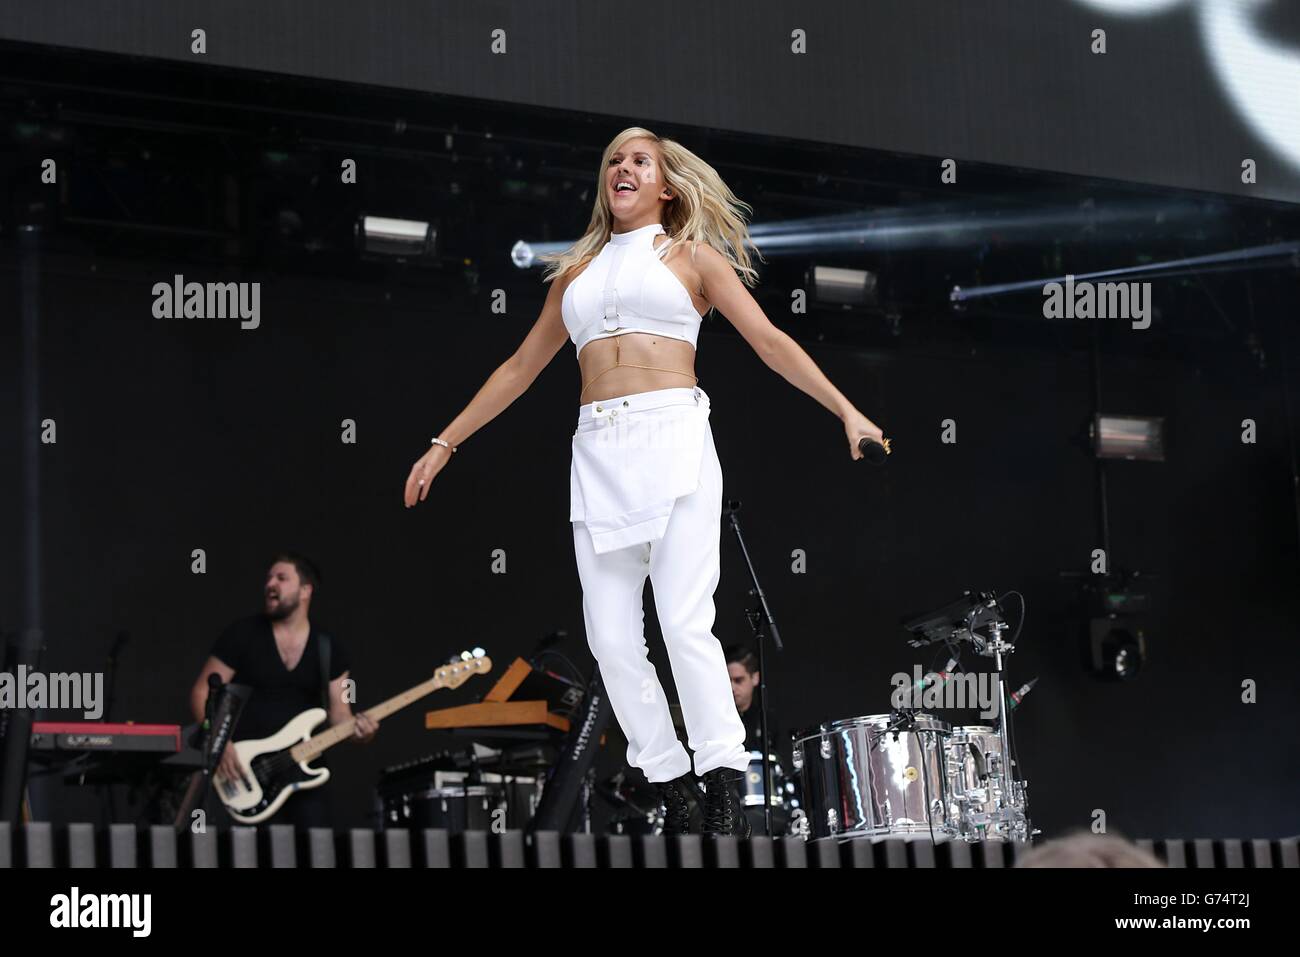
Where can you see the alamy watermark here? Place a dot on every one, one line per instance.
(1100, 300)
(76, 910)
(971, 689)
(59, 691)
(214, 300)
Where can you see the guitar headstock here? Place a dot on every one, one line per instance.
(462, 667)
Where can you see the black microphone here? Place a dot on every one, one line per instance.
(872, 451)
(215, 689)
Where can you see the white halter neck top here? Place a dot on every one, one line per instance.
(628, 288)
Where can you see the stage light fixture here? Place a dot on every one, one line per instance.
(400, 238)
(1118, 649)
(1128, 437)
(1115, 610)
(833, 285)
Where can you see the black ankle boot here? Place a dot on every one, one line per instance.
(681, 798)
(724, 812)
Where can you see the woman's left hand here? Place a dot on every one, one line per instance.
(856, 425)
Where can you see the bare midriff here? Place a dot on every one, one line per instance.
(634, 362)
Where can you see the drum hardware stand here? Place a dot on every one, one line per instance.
(956, 623)
(996, 648)
(1014, 814)
(760, 619)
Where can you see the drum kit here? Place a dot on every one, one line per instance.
(908, 774)
(905, 774)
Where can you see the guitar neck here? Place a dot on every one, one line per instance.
(315, 746)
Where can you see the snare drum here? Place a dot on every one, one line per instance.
(862, 780)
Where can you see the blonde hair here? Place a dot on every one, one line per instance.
(703, 210)
(1084, 849)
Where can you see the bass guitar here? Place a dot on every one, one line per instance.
(278, 767)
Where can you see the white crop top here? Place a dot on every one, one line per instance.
(627, 287)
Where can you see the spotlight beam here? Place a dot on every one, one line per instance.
(937, 227)
(1256, 256)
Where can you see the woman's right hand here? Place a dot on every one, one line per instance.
(423, 473)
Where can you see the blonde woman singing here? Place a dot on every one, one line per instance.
(664, 247)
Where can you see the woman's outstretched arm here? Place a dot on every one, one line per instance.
(508, 382)
(723, 289)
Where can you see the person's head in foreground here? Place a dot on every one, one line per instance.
(1084, 849)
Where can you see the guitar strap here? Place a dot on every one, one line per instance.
(323, 640)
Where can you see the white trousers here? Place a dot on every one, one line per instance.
(682, 566)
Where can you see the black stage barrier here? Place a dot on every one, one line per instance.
(41, 845)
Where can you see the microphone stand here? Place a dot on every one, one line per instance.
(108, 801)
(760, 619)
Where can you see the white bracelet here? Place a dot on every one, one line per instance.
(443, 443)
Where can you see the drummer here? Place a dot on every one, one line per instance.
(742, 664)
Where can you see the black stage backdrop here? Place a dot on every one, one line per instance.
(182, 434)
(1183, 94)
